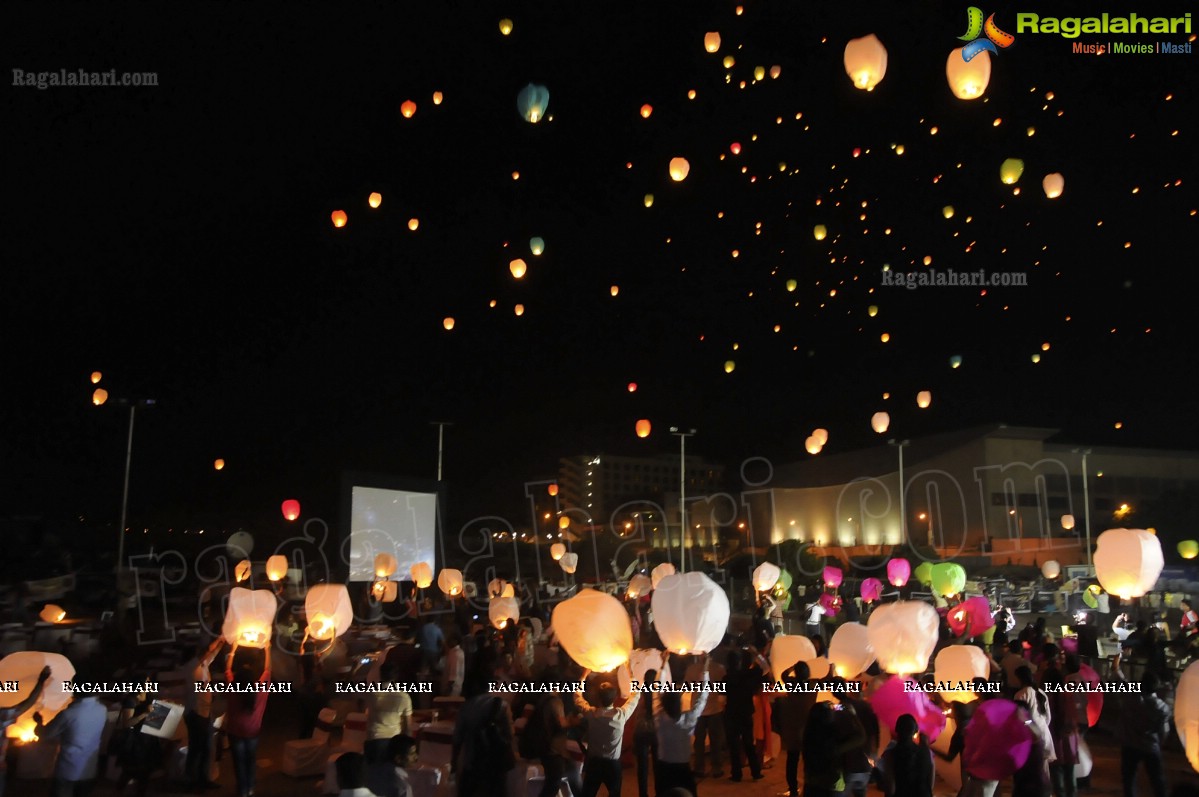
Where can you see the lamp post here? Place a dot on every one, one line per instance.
(677, 432)
(441, 425)
(1019, 524)
(1086, 501)
(903, 512)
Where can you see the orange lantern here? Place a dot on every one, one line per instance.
(518, 267)
(99, 396)
(408, 108)
(552, 490)
(96, 377)
(643, 428)
(449, 581)
(712, 41)
(339, 218)
(218, 464)
(276, 567)
(646, 110)
(385, 565)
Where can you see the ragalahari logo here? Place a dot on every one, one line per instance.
(983, 36)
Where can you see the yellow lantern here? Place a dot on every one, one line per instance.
(729, 365)
(691, 613)
(413, 224)
(385, 565)
(218, 464)
(96, 377)
(1010, 171)
(518, 267)
(449, 581)
(660, 572)
(569, 562)
(448, 322)
(408, 109)
(1188, 549)
(505, 27)
(593, 628)
(557, 550)
(872, 310)
(1128, 561)
(679, 168)
(375, 199)
(519, 309)
(242, 571)
(250, 617)
(51, 613)
(759, 73)
(903, 635)
(712, 41)
(501, 611)
(960, 664)
(1053, 184)
(614, 290)
(819, 232)
(821, 436)
(1186, 713)
(564, 522)
(329, 611)
(276, 567)
(880, 422)
(923, 399)
(339, 218)
(648, 200)
(765, 576)
(422, 575)
(947, 211)
(968, 79)
(812, 445)
(865, 61)
(849, 651)
(792, 285)
(643, 428)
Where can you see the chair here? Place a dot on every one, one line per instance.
(353, 733)
(307, 757)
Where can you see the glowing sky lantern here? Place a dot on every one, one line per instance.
(865, 61)
(639, 585)
(437, 98)
(375, 199)
(564, 522)
(660, 572)
(52, 613)
(557, 550)
(812, 445)
(691, 613)
(955, 361)
(1053, 184)
(449, 581)
(641, 661)
(505, 27)
(250, 618)
(765, 576)
(819, 232)
(923, 399)
(832, 577)
(898, 572)
(339, 218)
(759, 73)
(712, 41)
(551, 490)
(961, 664)
(593, 628)
(1186, 713)
(895, 697)
(614, 290)
(679, 168)
(735, 148)
(821, 436)
(880, 421)
(1128, 561)
(328, 609)
(1068, 522)
(536, 246)
(998, 740)
(241, 572)
(290, 509)
(792, 285)
(385, 591)
(788, 649)
(502, 611)
(948, 578)
(1051, 569)
(632, 387)
(1188, 549)
(849, 650)
(23, 668)
(728, 62)
(408, 109)
(968, 79)
(532, 102)
(448, 323)
(1010, 171)
(729, 365)
(947, 211)
(903, 635)
(518, 267)
(569, 562)
(422, 575)
(647, 110)
(648, 200)
(96, 377)
(643, 428)
(276, 567)
(240, 544)
(385, 565)
(413, 224)
(218, 464)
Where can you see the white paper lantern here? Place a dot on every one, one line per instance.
(639, 585)
(679, 169)
(250, 618)
(1186, 713)
(449, 581)
(865, 61)
(766, 576)
(660, 572)
(24, 667)
(276, 567)
(903, 636)
(569, 562)
(1053, 185)
(812, 445)
(691, 613)
(961, 663)
(386, 591)
(385, 565)
(240, 544)
(593, 628)
(421, 574)
(1051, 569)
(968, 79)
(640, 661)
(849, 650)
(786, 650)
(711, 41)
(1068, 522)
(329, 611)
(557, 550)
(820, 667)
(502, 611)
(924, 398)
(1128, 561)
(495, 587)
(880, 422)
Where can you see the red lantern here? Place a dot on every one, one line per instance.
(291, 509)
(735, 148)
(408, 108)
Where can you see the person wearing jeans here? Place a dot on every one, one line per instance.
(645, 741)
(1144, 725)
(198, 717)
(605, 731)
(243, 715)
(710, 727)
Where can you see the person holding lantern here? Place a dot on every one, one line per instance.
(10, 715)
(675, 727)
(80, 726)
(243, 715)
(197, 716)
(605, 732)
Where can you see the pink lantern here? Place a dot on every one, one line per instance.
(831, 604)
(1094, 699)
(973, 614)
(898, 572)
(291, 509)
(890, 702)
(997, 740)
(872, 590)
(833, 576)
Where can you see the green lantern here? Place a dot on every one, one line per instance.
(1188, 549)
(1090, 600)
(948, 578)
(1010, 171)
(924, 573)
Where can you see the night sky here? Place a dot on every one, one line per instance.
(178, 239)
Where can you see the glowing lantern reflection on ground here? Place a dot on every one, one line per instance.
(449, 581)
(329, 611)
(1128, 561)
(903, 635)
(593, 628)
(691, 613)
(968, 79)
(865, 61)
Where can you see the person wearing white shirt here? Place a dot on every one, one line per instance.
(675, 728)
(815, 612)
(605, 732)
(455, 666)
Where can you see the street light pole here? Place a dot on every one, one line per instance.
(1086, 500)
(674, 430)
(441, 425)
(125, 499)
(903, 512)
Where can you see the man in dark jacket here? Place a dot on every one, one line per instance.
(743, 681)
(790, 716)
(1144, 725)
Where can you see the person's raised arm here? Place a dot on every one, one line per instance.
(580, 699)
(229, 661)
(29, 702)
(266, 663)
(210, 655)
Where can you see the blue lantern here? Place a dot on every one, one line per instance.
(532, 102)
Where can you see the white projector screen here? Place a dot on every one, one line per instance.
(399, 522)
